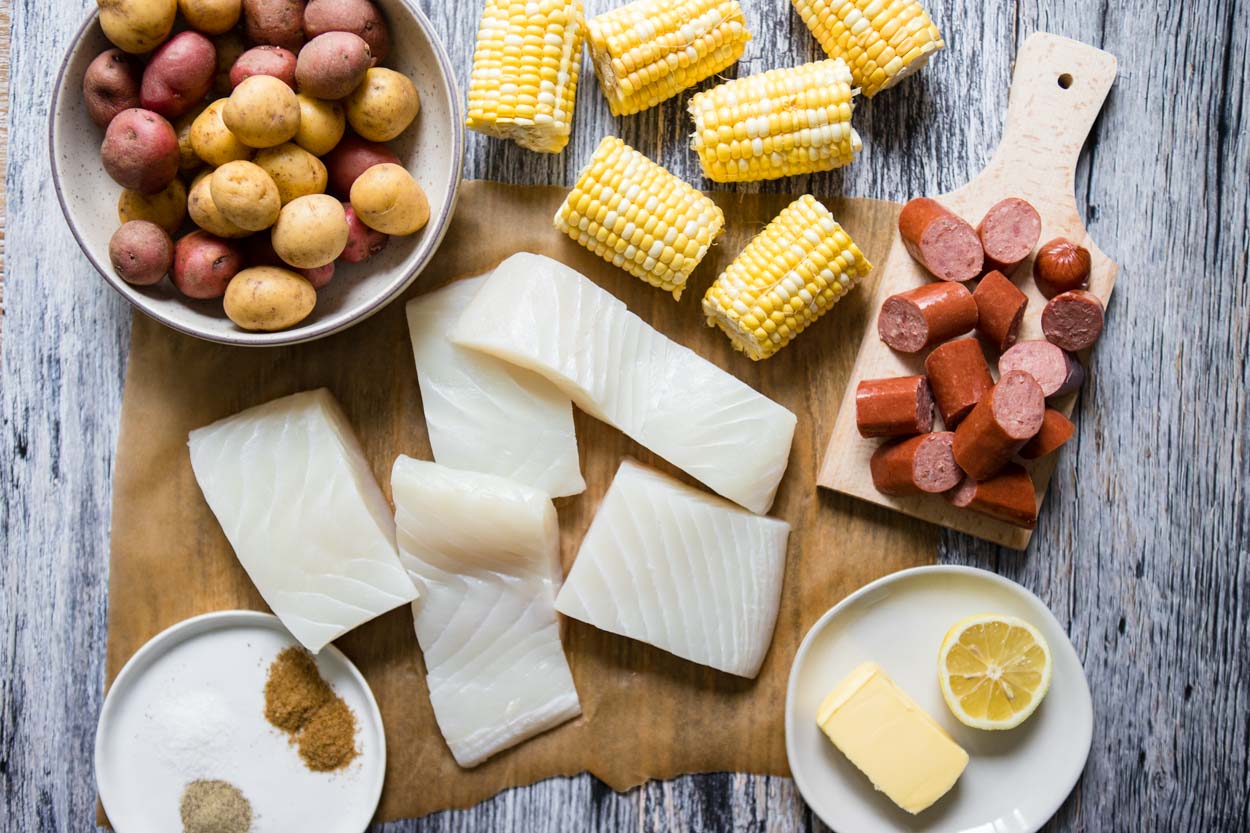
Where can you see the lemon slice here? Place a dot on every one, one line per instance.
(994, 670)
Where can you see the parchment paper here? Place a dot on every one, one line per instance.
(646, 714)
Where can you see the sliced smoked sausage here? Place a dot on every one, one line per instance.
(1000, 309)
(916, 465)
(1009, 232)
(1008, 496)
(1061, 265)
(913, 320)
(943, 243)
(1073, 320)
(1056, 430)
(958, 376)
(1002, 422)
(1056, 371)
(893, 407)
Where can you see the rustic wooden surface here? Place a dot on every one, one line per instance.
(1150, 567)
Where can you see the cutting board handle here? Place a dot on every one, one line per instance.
(1057, 89)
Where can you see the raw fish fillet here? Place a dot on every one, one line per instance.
(680, 569)
(544, 316)
(294, 494)
(484, 414)
(484, 552)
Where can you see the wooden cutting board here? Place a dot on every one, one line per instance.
(1056, 92)
(646, 714)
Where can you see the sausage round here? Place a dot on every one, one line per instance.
(1000, 309)
(917, 465)
(958, 376)
(1009, 232)
(942, 243)
(1054, 369)
(1007, 497)
(1056, 430)
(1002, 422)
(913, 320)
(893, 407)
(1061, 265)
(1073, 320)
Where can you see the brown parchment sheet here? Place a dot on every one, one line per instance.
(645, 713)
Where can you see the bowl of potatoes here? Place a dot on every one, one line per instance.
(257, 172)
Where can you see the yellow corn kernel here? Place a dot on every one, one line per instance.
(651, 50)
(524, 79)
(883, 41)
(789, 275)
(778, 123)
(636, 215)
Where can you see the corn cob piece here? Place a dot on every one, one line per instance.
(883, 41)
(525, 67)
(788, 276)
(778, 123)
(636, 215)
(651, 50)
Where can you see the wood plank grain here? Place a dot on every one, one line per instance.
(1143, 549)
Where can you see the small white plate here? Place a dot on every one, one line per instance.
(190, 705)
(1015, 780)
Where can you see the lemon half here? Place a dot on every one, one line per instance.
(994, 670)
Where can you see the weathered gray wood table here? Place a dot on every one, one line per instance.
(1149, 567)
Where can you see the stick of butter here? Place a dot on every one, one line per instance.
(905, 754)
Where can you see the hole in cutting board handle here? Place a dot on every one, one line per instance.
(1065, 80)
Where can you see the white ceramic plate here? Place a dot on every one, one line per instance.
(190, 705)
(1015, 780)
(432, 149)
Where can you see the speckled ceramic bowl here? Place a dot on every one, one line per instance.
(432, 149)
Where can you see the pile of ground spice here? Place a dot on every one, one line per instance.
(299, 702)
(214, 807)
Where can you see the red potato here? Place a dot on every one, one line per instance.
(360, 17)
(179, 75)
(140, 151)
(362, 241)
(204, 265)
(275, 22)
(330, 66)
(111, 85)
(318, 277)
(351, 158)
(264, 60)
(141, 252)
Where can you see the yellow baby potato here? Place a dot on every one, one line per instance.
(262, 111)
(212, 141)
(204, 212)
(269, 298)
(212, 17)
(321, 125)
(166, 208)
(137, 26)
(383, 105)
(295, 171)
(387, 199)
(311, 231)
(245, 195)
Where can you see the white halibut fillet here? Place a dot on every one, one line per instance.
(485, 553)
(546, 317)
(680, 569)
(294, 494)
(484, 414)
